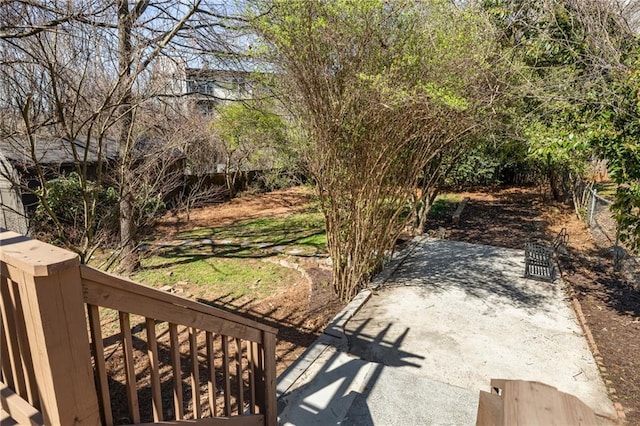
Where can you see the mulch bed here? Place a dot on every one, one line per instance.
(611, 308)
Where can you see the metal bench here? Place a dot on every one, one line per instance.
(539, 258)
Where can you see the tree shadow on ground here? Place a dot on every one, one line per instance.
(591, 272)
(480, 271)
(610, 300)
(508, 221)
(511, 219)
(188, 253)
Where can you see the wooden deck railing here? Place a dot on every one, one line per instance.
(238, 351)
(80, 346)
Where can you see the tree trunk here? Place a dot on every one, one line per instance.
(230, 177)
(430, 187)
(128, 239)
(428, 198)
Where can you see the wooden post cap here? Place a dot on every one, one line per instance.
(34, 257)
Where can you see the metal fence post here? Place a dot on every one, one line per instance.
(617, 251)
(592, 208)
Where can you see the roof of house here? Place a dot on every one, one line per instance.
(214, 73)
(53, 150)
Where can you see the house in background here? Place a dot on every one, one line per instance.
(204, 88)
(12, 213)
(208, 88)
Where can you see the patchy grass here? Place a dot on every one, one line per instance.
(204, 276)
(451, 198)
(230, 260)
(444, 205)
(302, 229)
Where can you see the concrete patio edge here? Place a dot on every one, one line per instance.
(333, 335)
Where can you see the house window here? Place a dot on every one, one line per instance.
(201, 86)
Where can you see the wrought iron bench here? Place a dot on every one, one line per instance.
(539, 258)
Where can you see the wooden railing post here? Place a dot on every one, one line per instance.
(51, 292)
(270, 403)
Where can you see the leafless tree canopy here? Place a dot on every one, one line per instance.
(86, 77)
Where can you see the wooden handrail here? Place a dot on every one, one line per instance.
(34, 257)
(105, 279)
(247, 350)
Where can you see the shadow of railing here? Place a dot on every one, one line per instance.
(379, 349)
(342, 381)
(290, 330)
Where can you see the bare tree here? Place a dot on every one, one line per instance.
(80, 75)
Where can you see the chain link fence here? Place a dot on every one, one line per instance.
(604, 229)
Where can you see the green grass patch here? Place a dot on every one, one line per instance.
(451, 198)
(203, 276)
(302, 229)
(444, 205)
(227, 260)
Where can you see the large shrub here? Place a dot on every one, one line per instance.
(77, 208)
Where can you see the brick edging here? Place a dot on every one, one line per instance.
(597, 356)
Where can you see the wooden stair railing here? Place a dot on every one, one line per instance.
(52, 374)
(238, 351)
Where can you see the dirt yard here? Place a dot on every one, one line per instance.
(277, 203)
(303, 310)
(611, 306)
(307, 306)
(300, 309)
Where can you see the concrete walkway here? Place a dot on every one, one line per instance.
(450, 318)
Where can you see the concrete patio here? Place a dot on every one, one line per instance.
(449, 317)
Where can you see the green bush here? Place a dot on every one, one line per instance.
(275, 179)
(478, 167)
(64, 198)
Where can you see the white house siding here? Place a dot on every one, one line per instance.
(12, 214)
